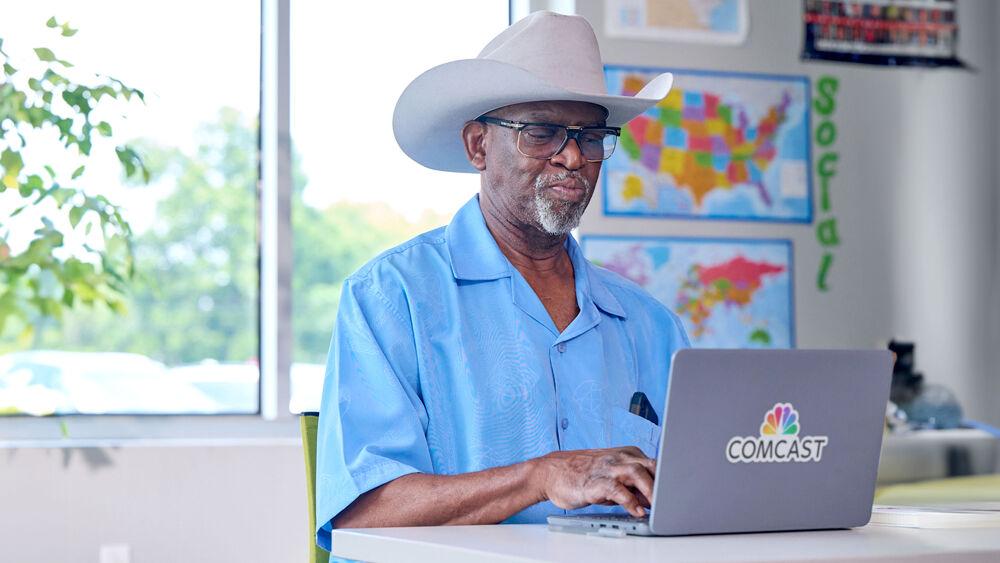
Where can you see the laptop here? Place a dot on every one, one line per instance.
(762, 440)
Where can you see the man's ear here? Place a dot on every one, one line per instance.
(474, 137)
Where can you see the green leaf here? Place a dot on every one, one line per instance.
(125, 156)
(9, 70)
(45, 55)
(51, 171)
(75, 214)
(12, 165)
(104, 128)
(78, 172)
(62, 195)
(52, 22)
(68, 31)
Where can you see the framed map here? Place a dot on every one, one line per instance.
(729, 293)
(719, 146)
(699, 21)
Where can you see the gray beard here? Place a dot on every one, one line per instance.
(559, 217)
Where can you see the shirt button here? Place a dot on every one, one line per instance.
(561, 347)
(564, 423)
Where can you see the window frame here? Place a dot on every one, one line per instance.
(274, 423)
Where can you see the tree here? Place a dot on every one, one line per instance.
(197, 294)
(36, 282)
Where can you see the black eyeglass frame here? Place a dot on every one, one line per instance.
(572, 132)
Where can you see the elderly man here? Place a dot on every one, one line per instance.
(482, 372)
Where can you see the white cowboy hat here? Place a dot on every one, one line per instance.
(545, 56)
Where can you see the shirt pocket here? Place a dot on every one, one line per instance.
(629, 429)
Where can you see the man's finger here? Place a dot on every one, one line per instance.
(635, 454)
(634, 475)
(643, 500)
(632, 450)
(618, 493)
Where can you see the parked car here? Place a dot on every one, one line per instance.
(57, 382)
(235, 387)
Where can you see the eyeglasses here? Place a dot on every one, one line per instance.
(545, 140)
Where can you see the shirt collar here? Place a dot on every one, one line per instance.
(474, 253)
(589, 282)
(476, 256)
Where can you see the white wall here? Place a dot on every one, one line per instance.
(915, 196)
(169, 504)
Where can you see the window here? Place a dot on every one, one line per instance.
(355, 193)
(187, 339)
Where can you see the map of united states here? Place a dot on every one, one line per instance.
(720, 145)
(703, 143)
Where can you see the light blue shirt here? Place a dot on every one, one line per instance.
(444, 361)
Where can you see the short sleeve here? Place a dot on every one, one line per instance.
(372, 425)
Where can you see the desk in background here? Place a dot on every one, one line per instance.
(936, 454)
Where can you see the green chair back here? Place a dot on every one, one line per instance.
(308, 423)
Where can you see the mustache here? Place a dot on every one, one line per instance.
(545, 180)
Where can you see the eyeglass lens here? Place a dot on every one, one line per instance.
(539, 141)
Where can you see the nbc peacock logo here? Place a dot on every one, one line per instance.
(782, 421)
(779, 440)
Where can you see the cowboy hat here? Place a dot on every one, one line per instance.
(544, 57)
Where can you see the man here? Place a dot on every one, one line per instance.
(482, 372)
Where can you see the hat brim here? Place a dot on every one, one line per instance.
(432, 110)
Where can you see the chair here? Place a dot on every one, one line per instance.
(308, 423)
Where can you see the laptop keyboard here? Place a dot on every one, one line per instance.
(617, 518)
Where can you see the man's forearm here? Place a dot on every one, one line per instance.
(419, 499)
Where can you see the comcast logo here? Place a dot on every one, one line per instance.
(783, 420)
(779, 440)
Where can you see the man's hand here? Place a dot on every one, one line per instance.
(574, 479)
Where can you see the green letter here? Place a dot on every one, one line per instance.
(824, 102)
(824, 193)
(826, 134)
(824, 269)
(826, 165)
(826, 232)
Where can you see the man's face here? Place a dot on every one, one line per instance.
(549, 195)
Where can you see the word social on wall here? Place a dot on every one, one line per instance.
(825, 104)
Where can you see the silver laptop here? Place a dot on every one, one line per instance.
(762, 440)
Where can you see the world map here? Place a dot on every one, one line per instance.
(727, 293)
(718, 146)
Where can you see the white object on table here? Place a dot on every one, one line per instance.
(534, 542)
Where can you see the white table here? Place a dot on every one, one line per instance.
(524, 543)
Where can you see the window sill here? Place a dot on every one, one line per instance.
(84, 431)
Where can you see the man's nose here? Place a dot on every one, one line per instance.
(570, 157)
